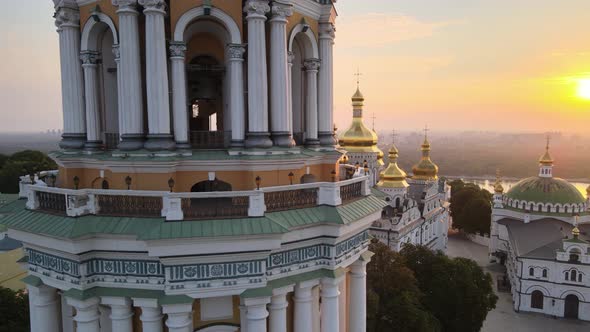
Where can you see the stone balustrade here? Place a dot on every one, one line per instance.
(192, 206)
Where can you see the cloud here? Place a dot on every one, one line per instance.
(380, 29)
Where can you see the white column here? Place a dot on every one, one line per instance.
(106, 324)
(279, 70)
(326, 85)
(121, 117)
(130, 86)
(87, 315)
(302, 312)
(342, 306)
(243, 316)
(235, 64)
(290, 58)
(358, 296)
(256, 314)
(121, 313)
(67, 316)
(90, 66)
(330, 319)
(151, 315)
(258, 135)
(67, 20)
(278, 310)
(180, 317)
(158, 103)
(179, 101)
(311, 119)
(44, 305)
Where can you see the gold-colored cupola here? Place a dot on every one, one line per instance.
(393, 176)
(425, 169)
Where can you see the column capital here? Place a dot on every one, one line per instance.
(89, 57)
(312, 64)
(177, 49)
(290, 57)
(281, 10)
(256, 9)
(153, 6)
(116, 52)
(327, 31)
(66, 16)
(126, 6)
(235, 52)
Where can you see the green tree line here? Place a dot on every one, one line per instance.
(21, 163)
(471, 207)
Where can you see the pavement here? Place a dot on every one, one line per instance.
(503, 318)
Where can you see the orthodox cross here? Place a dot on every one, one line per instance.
(373, 118)
(426, 130)
(358, 75)
(548, 140)
(393, 135)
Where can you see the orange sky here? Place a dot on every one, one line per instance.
(453, 64)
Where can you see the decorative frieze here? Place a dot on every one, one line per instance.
(53, 263)
(213, 271)
(351, 244)
(118, 267)
(298, 256)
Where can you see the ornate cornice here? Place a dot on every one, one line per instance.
(235, 52)
(67, 17)
(256, 8)
(312, 64)
(177, 49)
(89, 57)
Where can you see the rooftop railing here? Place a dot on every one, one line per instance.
(192, 206)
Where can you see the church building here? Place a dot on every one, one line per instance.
(198, 184)
(539, 231)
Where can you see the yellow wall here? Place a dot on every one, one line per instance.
(296, 18)
(106, 6)
(184, 180)
(231, 7)
(205, 44)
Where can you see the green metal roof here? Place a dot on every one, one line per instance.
(545, 190)
(157, 228)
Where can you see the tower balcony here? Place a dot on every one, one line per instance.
(178, 206)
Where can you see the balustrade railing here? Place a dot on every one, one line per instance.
(52, 202)
(351, 192)
(123, 205)
(290, 199)
(192, 206)
(210, 139)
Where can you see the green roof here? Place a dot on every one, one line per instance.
(157, 228)
(546, 190)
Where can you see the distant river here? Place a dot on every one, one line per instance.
(507, 184)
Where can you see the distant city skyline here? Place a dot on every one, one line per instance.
(458, 65)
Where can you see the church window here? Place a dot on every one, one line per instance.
(537, 300)
(567, 274)
(544, 273)
(573, 275)
(580, 277)
(531, 271)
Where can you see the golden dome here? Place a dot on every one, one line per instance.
(588, 191)
(393, 176)
(359, 138)
(576, 232)
(498, 188)
(546, 159)
(425, 169)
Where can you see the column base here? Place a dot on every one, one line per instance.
(183, 146)
(93, 146)
(72, 141)
(283, 139)
(159, 142)
(130, 142)
(327, 138)
(313, 142)
(238, 144)
(258, 140)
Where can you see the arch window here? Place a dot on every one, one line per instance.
(567, 276)
(579, 277)
(537, 299)
(531, 271)
(544, 273)
(573, 275)
(540, 207)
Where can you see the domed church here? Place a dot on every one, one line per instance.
(539, 231)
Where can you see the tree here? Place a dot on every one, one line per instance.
(393, 296)
(458, 293)
(22, 163)
(470, 207)
(14, 311)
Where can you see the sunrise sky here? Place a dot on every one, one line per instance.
(510, 65)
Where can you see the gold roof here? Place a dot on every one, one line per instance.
(425, 169)
(393, 176)
(359, 138)
(546, 159)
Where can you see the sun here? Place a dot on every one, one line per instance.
(584, 88)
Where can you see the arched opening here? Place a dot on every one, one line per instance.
(214, 207)
(574, 275)
(303, 46)
(572, 304)
(537, 299)
(211, 185)
(207, 91)
(105, 184)
(397, 202)
(101, 38)
(544, 273)
(574, 255)
(531, 271)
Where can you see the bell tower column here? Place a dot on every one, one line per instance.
(279, 67)
(159, 137)
(130, 92)
(179, 105)
(311, 119)
(258, 135)
(90, 65)
(235, 60)
(326, 85)
(67, 20)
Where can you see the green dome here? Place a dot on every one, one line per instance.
(545, 190)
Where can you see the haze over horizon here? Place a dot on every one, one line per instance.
(461, 65)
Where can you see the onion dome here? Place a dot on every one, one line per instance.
(393, 176)
(588, 192)
(498, 188)
(576, 232)
(425, 169)
(359, 138)
(546, 159)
